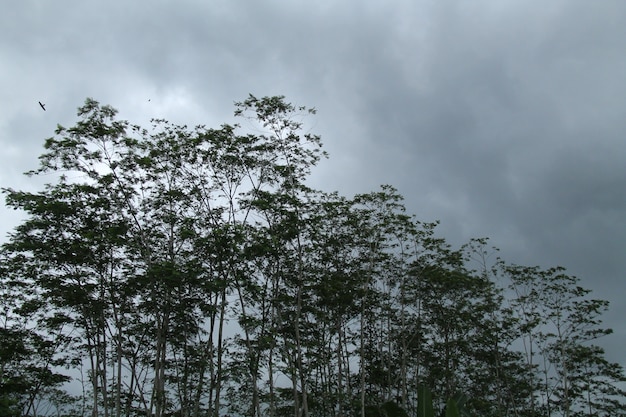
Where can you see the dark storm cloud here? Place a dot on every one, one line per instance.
(516, 133)
(502, 119)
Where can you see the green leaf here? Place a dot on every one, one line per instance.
(424, 402)
(451, 408)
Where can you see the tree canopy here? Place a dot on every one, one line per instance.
(176, 271)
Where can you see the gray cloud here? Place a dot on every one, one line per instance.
(501, 119)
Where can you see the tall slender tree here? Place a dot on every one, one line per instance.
(193, 272)
(559, 325)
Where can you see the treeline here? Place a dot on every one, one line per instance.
(191, 272)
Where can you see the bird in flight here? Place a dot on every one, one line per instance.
(43, 106)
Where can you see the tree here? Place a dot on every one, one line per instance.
(28, 370)
(559, 324)
(193, 272)
(137, 246)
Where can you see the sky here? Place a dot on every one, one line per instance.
(502, 119)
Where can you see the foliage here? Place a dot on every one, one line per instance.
(193, 272)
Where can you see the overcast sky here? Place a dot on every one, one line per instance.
(499, 118)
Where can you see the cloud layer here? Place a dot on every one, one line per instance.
(501, 119)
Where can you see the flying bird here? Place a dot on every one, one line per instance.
(43, 106)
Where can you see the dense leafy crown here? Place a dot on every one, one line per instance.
(193, 272)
